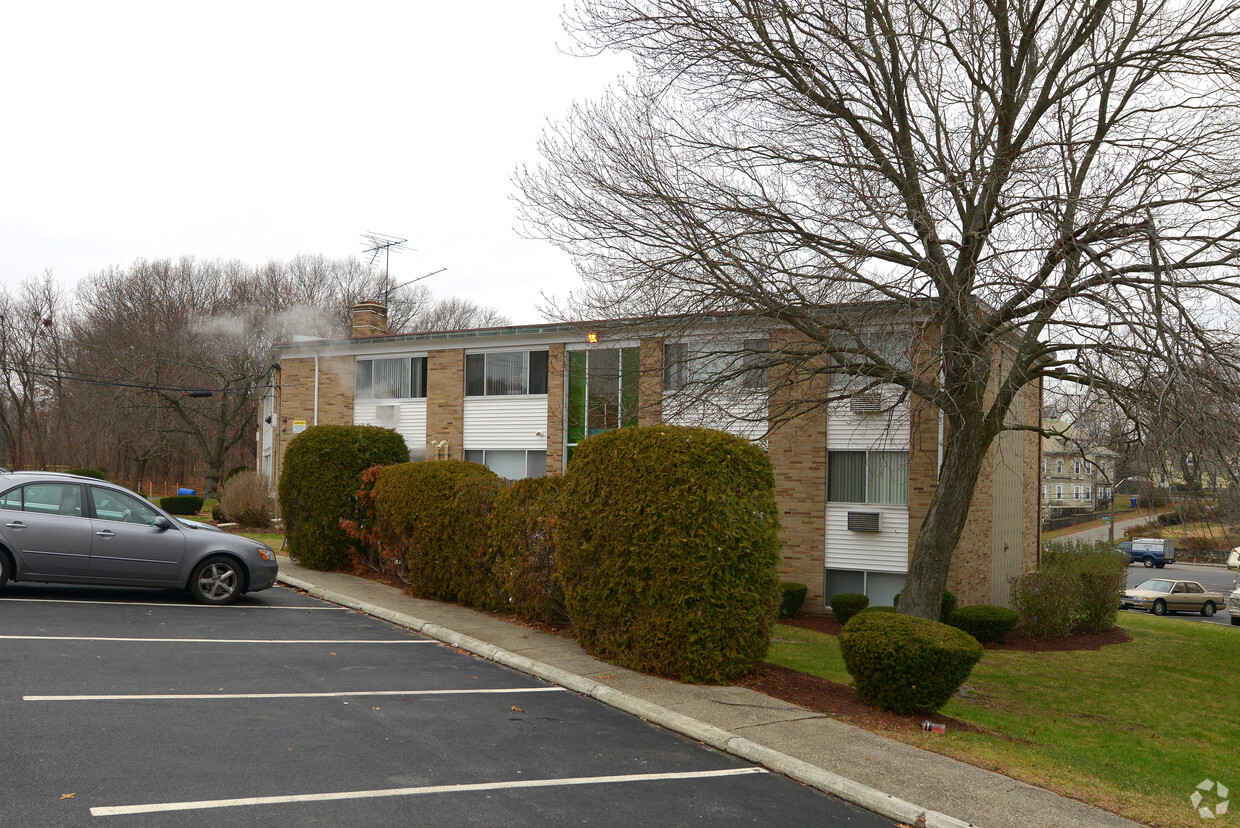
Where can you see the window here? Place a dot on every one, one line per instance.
(1043, 465)
(867, 477)
(1087, 493)
(737, 364)
(1059, 466)
(1059, 491)
(505, 373)
(880, 587)
(46, 498)
(110, 505)
(1045, 492)
(602, 391)
(1076, 467)
(1076, 492)
(394, 378)
(512, 464)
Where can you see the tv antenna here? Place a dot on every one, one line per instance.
(383, 244)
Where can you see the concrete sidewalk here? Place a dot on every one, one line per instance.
(888, 777)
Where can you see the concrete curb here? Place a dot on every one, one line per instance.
(803, 772)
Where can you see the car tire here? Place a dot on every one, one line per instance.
(5, 569)
(1149, 562)
(1207, 609)
(216, 580)
(1160, 565)
(1159, 608)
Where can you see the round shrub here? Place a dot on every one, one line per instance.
(986, 623)
(902, 663)
(181, 504)
(847, 604)
(523, 542)
(98, 474)
(792, 596)
(668, 548)
(878, 609)
(433, 517)
(245, 499)
(321, 474)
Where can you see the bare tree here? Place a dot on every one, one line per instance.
(1055, 185)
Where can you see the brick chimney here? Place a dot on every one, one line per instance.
(368, 319)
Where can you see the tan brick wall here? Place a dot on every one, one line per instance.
(556, 366)
(650, 384)
(445, 401)
(798, 452)
(368, 319)
(295, 399)
(1031, 540)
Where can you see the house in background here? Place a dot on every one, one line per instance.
(853, 478)
(1076, 477)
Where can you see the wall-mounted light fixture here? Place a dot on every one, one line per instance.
(592, 337)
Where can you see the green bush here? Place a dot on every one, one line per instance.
(904, 664)
(986, 623)
(945, 608)
(792, 596)
(878, 609)
(321, 474)
(668, 547)
(847, 604)
(181, 504)
(98, 474)
(433, 517)
(1097, 571)
(522, 538)
(1047, 602)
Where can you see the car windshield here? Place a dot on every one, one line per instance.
(1155, 585)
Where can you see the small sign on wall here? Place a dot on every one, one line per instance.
(299, 426)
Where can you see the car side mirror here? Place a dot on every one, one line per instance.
(162, 522)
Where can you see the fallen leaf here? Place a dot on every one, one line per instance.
(517, 709)
(68, 796)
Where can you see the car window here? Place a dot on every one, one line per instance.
(1180, 588)
(1193, 587)
(112, 505)
(1156, 586)
(12, 499)
(52, 499)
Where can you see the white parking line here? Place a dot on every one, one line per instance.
(219, 640)
(158, 604)
(343, 693)
(429, 789)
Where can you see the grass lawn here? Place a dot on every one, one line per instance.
(1132, 728)
(273, 539)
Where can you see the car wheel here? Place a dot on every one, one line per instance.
(1159, 608)
(1149, 562)
(1160, 565)
(1207, 609)
(216, 581)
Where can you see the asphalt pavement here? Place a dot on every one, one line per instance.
(890, 778)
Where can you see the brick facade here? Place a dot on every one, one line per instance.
(445, 403)
(555, 409)
(650, 382)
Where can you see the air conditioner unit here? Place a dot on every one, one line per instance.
(387, 416)
(863, 521)
(870, 402)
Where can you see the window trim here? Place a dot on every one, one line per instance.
(417, 389)
(527, 378)
(868, 470)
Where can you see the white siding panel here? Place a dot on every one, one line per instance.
(745, 415)
(883, 551)
(887, 430)
(506, 423)
(411, 420)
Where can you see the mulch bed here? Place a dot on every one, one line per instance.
(840, 701)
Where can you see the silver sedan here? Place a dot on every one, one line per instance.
(61, 528)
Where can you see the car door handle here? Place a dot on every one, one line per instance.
(17, 524)
(106, 533)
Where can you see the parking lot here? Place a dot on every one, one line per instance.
(134, 707)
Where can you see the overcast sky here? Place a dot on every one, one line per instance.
(261, 130)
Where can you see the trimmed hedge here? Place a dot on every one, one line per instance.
(945, 608)
(668, 547)
(181, 504)
(434, 518)
(986, 623)
(98, 474)
(903, 663)
(792, 596)
(847, 604)
(318, 485)
(522, 538)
